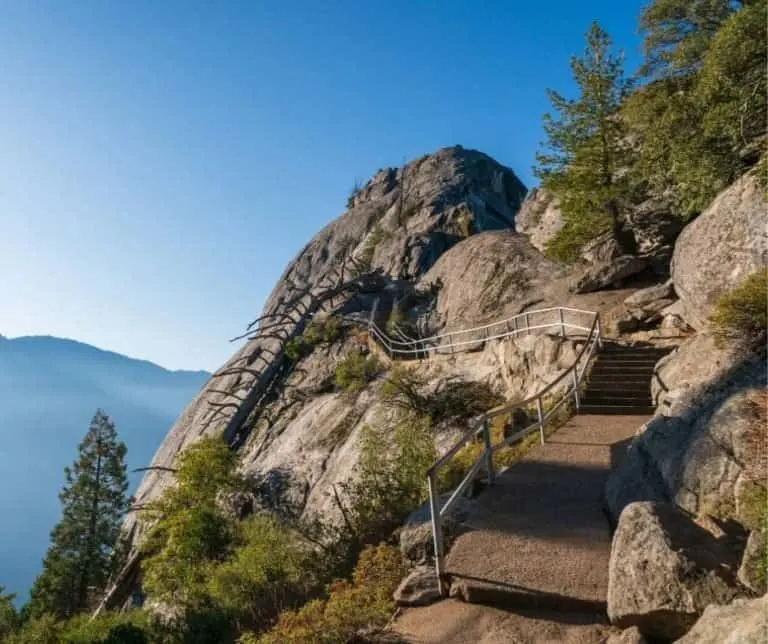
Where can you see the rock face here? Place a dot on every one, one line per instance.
(742, 622)
(403, 219)
(720, 248)
(698, 450)
(655, 229)
(302, 439)
(610, 273)
(628, 636)
(488, 276)
(664, 571)
(539, 218)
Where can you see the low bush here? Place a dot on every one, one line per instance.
(324, 331)
(363, 603)
(355, 371)
(740, 318)
(458, 400)
(266, 574)
(390, 479)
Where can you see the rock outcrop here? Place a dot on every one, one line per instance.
(490, 276)
(699, 448)
(295, 434)
(720, 248)
(655, 229)
(664, 571)
(539, 218)
(745, 621)
(752, 571)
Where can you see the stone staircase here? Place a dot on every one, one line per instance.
(620, 380)
(539, 539)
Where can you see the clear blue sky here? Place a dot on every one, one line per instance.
(162, 161)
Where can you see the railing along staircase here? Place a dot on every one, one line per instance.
(565, 387)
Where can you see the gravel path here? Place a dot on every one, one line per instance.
(538, 540)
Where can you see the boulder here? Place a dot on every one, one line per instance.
(694, 451)
(664, 571)
(752, 571)
(419, 588)
(609, 273)
(721, 247)
(655, 229)
(539, 218)
(487, 274)
(745, 621)
(602, 250)
(416, 543)
(647, 304)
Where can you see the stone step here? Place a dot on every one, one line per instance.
(643, 403)
(630, 368)
(510, 597)
(622, 410)
(611, 382)
(615, 395)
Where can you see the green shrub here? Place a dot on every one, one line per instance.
(9, 617)
(458, 400)
(39, 630)
(365, 602)
(391, 477)
(324, 331)
(740, 318)
(266, 574)
(192, 533)
(355, 371)
(133, 627)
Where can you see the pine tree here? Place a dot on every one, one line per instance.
(8, 615)
(85, 548)
(586, 153)
(700, 118)
(677, 34)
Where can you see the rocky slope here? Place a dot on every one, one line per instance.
(433, 245)
(396, 227)
(435, 240)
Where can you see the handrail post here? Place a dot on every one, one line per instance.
(488, 452)
(562, 321)
(437, 530)
(575, 380)
(540, 412)
(527, 323)
(599, 332)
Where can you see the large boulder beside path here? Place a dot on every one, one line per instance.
(664, 571)
(721, 247)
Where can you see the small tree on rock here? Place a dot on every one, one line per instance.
(587, 153)
(85, 549)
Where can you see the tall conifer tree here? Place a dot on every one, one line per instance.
(84, 549)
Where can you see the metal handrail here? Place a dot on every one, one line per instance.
(453, 340)
(482, 426)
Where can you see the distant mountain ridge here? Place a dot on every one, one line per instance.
(49, 389)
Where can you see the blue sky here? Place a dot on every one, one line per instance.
(162, 161)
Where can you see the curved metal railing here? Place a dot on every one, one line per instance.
(566, 385)
(560, 317)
